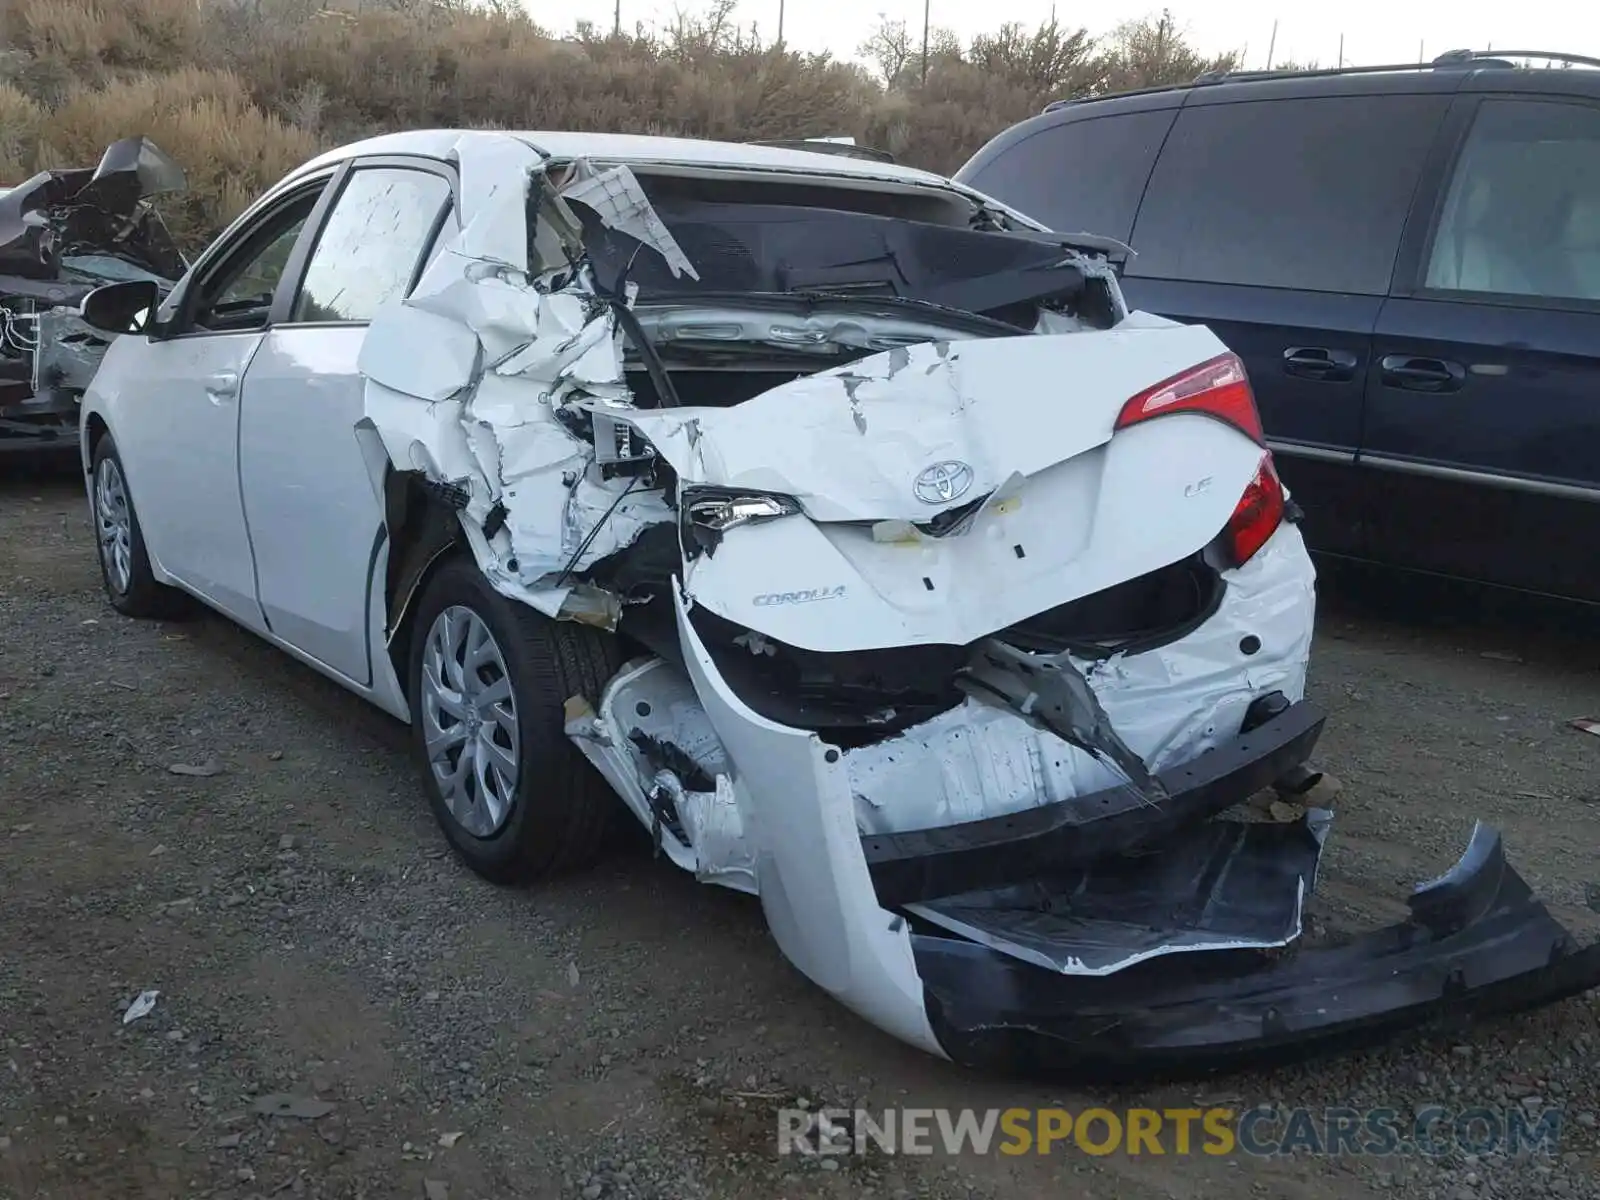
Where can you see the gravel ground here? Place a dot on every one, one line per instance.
(629, 1033)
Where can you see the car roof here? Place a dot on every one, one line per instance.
(1455, 71)
(627, 148)
(1460, 70)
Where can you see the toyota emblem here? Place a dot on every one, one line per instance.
(942, 482)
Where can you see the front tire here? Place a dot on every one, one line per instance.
(124, 562)
(489, 681)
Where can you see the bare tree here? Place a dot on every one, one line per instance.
(889, 48)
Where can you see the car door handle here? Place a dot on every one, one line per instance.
(1318, 362)
(222, 386)
(1422, 374)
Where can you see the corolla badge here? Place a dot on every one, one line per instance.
(942, 482)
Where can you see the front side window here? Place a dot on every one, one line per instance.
(238, 296)
(1522, 214)
(259, 279)
(369, 249)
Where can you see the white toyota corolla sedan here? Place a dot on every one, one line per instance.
(835, 521)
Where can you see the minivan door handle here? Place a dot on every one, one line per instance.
(1422, 374)
(1318, 362)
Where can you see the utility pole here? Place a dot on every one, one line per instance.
(1272, 45)
(780, 22)
(1420, 45)
(927, 5)
(1341, 51)
(616, 23)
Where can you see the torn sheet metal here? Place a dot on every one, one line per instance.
(652, 725)
(1168, 706)
(465, 377)
(1050, 691)
(1226, 885)
(618, 200)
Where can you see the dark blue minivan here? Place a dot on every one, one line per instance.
(1408, 261)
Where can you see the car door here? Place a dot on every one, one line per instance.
(1483, 426)
(316, 523)
(1275, 221)
(178, 396)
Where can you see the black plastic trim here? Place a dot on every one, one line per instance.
(1478, 943)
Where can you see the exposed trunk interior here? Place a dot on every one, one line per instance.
(719, 388)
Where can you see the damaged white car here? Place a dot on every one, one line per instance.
(832, 519)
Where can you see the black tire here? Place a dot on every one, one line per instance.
(561, 808)
(142, 596)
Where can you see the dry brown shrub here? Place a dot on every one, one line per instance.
(938, 125)
(20, 118)
(90, 36)
(288, 76)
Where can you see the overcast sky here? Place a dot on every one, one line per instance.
(1374, 30)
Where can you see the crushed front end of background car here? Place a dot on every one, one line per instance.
(62, 234)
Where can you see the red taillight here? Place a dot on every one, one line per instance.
(1218, 388)
(1257, 515)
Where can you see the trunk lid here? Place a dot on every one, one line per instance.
(875, 452)
(850, 443)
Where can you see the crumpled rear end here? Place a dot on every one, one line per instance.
(955, 655)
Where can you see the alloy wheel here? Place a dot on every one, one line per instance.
(114, 524)
(469, 721)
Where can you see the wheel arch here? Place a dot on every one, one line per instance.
(95, 429)
(424, 533)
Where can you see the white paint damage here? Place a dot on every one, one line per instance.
(496, 338)
(475, 379)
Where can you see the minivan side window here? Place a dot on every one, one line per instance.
(1522, 215)
(1307, 193)
(369, 249)
(1081, 176)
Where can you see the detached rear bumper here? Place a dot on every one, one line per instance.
(1477, 942)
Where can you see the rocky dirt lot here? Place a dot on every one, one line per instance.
(630, 1033)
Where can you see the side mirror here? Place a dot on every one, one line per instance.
(118, 308)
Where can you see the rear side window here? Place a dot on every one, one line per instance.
(1083, 176)
(1307, 193)
(372, 244)
(1522, 216)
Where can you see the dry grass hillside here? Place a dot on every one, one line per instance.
(239, 91)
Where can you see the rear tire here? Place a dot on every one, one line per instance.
(119, 541)
(489, 681)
